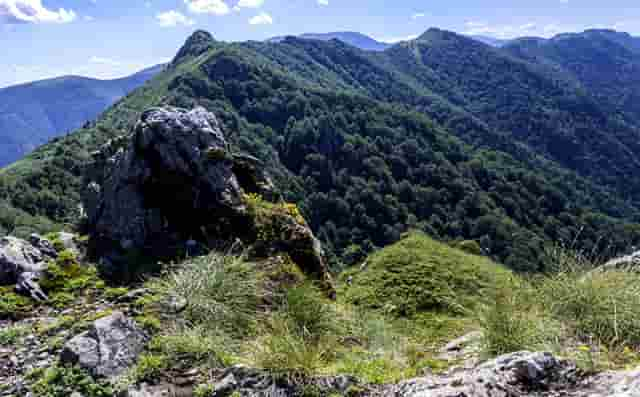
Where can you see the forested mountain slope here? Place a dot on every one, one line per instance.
(33, 113)
(605, 62)
(366, 148)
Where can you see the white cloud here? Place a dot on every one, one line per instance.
(261, 19)
(418, 15)
(215, 7)
(512, 31)
(32, 11)
(323, 2)
(250, 3)
(173, 18)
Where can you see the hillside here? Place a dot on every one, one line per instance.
(354, 39)
(605, 62)
(31, 114)
(330, 124)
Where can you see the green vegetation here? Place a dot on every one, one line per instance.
(220, 291)
(237, 313)
(61, 381)
(589, 314)
(12, 304)
(418, 274)
(372, 145)
(12, 334)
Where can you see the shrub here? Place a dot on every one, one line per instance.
(603, 305)
(12, 334)
(221, 291)
(190, 347)
(514, 320)
(309, 312)
(418, 274)
(284, 351)
(60, 381)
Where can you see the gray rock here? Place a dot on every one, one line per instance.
(43, 245)
(145, 390)
(16, 257)
(629, 262)
(511, 375)
(27, 284)
(151, 192)
(176, 180)
(108, 348)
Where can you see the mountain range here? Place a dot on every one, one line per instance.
(33, 113)
(514, 147)
(355, 39)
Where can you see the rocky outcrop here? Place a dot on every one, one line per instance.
(197, 44)
(511, 375)
(629, 262)
(517, 375)
(175, 183)
(16, 257)
(22, 263)
(108, 348)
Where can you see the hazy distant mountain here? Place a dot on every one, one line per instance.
(33, 113)
(355, 39)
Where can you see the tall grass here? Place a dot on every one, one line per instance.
(577, 304)
(221, 292)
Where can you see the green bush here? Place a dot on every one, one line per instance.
(12, 334)
(595, 308)
(309, 312)
(515, 321)
(602, 305)
(190, 347)
(284, 351)
(418, 274)
(60, 381)
(221, 291)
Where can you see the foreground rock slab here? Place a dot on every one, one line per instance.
(108, 348)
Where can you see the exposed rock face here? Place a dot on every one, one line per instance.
(162, 187)
(176, 183)
(108, 349)
(16, 257)
(511, 375)
(22, 263)
(629, 262)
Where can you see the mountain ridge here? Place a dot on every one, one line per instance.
(32, 113)
(348, 130)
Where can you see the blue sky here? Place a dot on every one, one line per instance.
(112, 38)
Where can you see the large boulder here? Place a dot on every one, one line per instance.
(108, 348)
(18, 256)
(171, 182)
(175, 183)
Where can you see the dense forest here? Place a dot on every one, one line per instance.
(442, 134)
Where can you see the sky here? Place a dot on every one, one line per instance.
(113, 38)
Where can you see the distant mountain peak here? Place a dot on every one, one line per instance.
(354, 39)
(197, 44)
